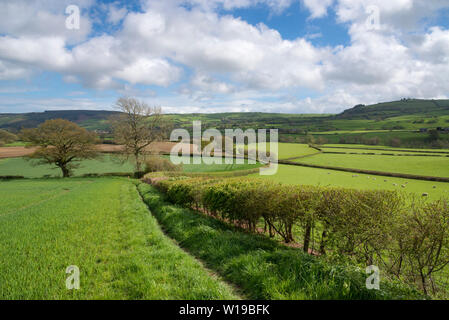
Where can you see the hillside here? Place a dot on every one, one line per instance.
(404, 115)
(397, 108)
(92, 120)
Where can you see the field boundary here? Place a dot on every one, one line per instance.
(384, 154)
(372, 172)
(384, 149)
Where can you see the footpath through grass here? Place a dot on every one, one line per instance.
(263, 268)
(103, 227)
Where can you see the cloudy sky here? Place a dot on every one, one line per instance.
(295, 56)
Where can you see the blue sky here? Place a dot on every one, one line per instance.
(293, 56)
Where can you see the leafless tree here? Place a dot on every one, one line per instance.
(137, 127)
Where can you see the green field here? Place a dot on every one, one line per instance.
(425, 166)
(311, 176)
(26, 168)
(381, 152)
(104, 164)
(341, 147)
(102, 226)
(289, 150)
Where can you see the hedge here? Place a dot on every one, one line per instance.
(408, 238)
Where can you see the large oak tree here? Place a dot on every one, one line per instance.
(61, 143)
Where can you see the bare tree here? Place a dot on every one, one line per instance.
(137, 127)
(61, 143)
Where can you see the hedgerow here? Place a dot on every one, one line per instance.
(408, 239)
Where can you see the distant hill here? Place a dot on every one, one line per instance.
(397, 108)
(91, 120)
(406, 114)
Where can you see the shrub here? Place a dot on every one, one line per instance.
(156, 164)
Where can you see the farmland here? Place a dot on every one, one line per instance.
(296, 175)
(425, 166)
(101, 226)
(108, 163)
(231, 233)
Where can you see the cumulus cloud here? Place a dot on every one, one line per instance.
(318, 9)
(225, 62)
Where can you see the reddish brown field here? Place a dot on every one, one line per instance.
(155, 147)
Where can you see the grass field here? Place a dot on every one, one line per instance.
(289, 150)
(370, 147)
(322, 177)
(425, 166)
(106, 164)
(23, 167)
(103, 227)
(380, 152)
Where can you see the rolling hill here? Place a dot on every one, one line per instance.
(403, 115)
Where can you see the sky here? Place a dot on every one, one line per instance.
(289, 56)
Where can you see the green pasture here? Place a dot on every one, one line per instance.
(288, 150)
(107, 163)
(424, 166)
(321, 177)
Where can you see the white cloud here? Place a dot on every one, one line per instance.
(115, 13)
(227, 62)
(318, 9)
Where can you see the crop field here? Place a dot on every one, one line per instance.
(107, 163)
(382, 152)
(290, 150)
(382, 148)
(425, 166)
(101, 226)
(296, 175)
(23, 167)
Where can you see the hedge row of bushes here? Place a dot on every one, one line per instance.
(407, 238)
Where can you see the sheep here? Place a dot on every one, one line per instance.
(403, 186)
(395, 184)
(425, 194)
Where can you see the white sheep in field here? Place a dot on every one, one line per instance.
(395, 184)
(403, 186)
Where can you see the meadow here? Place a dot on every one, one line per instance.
(102, 226)
(108, 163)
(424, 166)
(287, 150)
(296, 175)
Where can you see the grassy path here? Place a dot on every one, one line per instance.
(103, 227)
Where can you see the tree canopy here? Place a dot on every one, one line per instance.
(61, 143)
